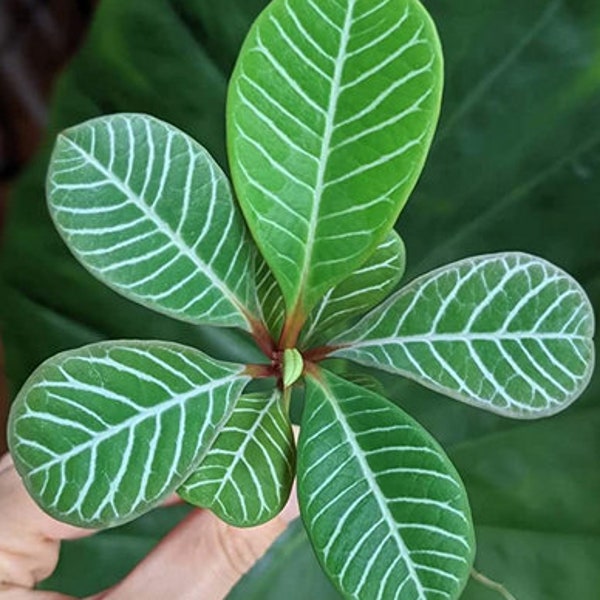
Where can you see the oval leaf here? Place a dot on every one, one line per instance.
(331, 111)
(247, 476)
(364, 289)
(507, 332)
(384, 508)
(147, 210)
(103, 433)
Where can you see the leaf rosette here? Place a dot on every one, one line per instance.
(331, 110)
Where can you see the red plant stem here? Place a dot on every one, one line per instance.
(260, 371)
(315, 355)
(263, 338)
(312, 369)
(291, 329)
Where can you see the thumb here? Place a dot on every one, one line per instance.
(29, 539)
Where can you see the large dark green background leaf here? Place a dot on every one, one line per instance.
(516, 165)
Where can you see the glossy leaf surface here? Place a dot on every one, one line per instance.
(507, 332)
(384, 508)
(103, 433)
(247, 475)
(147, 210)
(364, 289)
(331, 111)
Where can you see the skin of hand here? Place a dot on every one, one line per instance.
(202, 557)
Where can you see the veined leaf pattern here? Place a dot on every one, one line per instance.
(366, 287)
(247, 475)
(354, 296)
(103, 433)
(384, 508)
(331, 110)
(147, 210)
(270, 299)
(508, 332)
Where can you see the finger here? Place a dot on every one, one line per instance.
(29, 542)
(202, 557)
(14, 593)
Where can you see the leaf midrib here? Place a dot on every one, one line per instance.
(466, 336)
(165, 229)
(238, 456)
(373, 485)
(132, 422)
(325, 149)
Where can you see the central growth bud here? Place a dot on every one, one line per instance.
(292, 366)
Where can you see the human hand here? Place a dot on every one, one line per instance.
(200, 558)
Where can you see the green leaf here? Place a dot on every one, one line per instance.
(507, 332)
(146, 209)
(331, 111)
(103, 433)
(35, 262)
(364, 289)
(272, 307)
(384, 508)
(247, 475)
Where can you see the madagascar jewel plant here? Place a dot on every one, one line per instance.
(331, 111)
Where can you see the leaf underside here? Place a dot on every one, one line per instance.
(384, 508)
(331, 110)
(147, 210)
(247, 475)
(103, 433)
(507, 332)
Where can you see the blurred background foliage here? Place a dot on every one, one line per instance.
(515, 165)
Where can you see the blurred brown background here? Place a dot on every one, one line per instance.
(37, 37)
